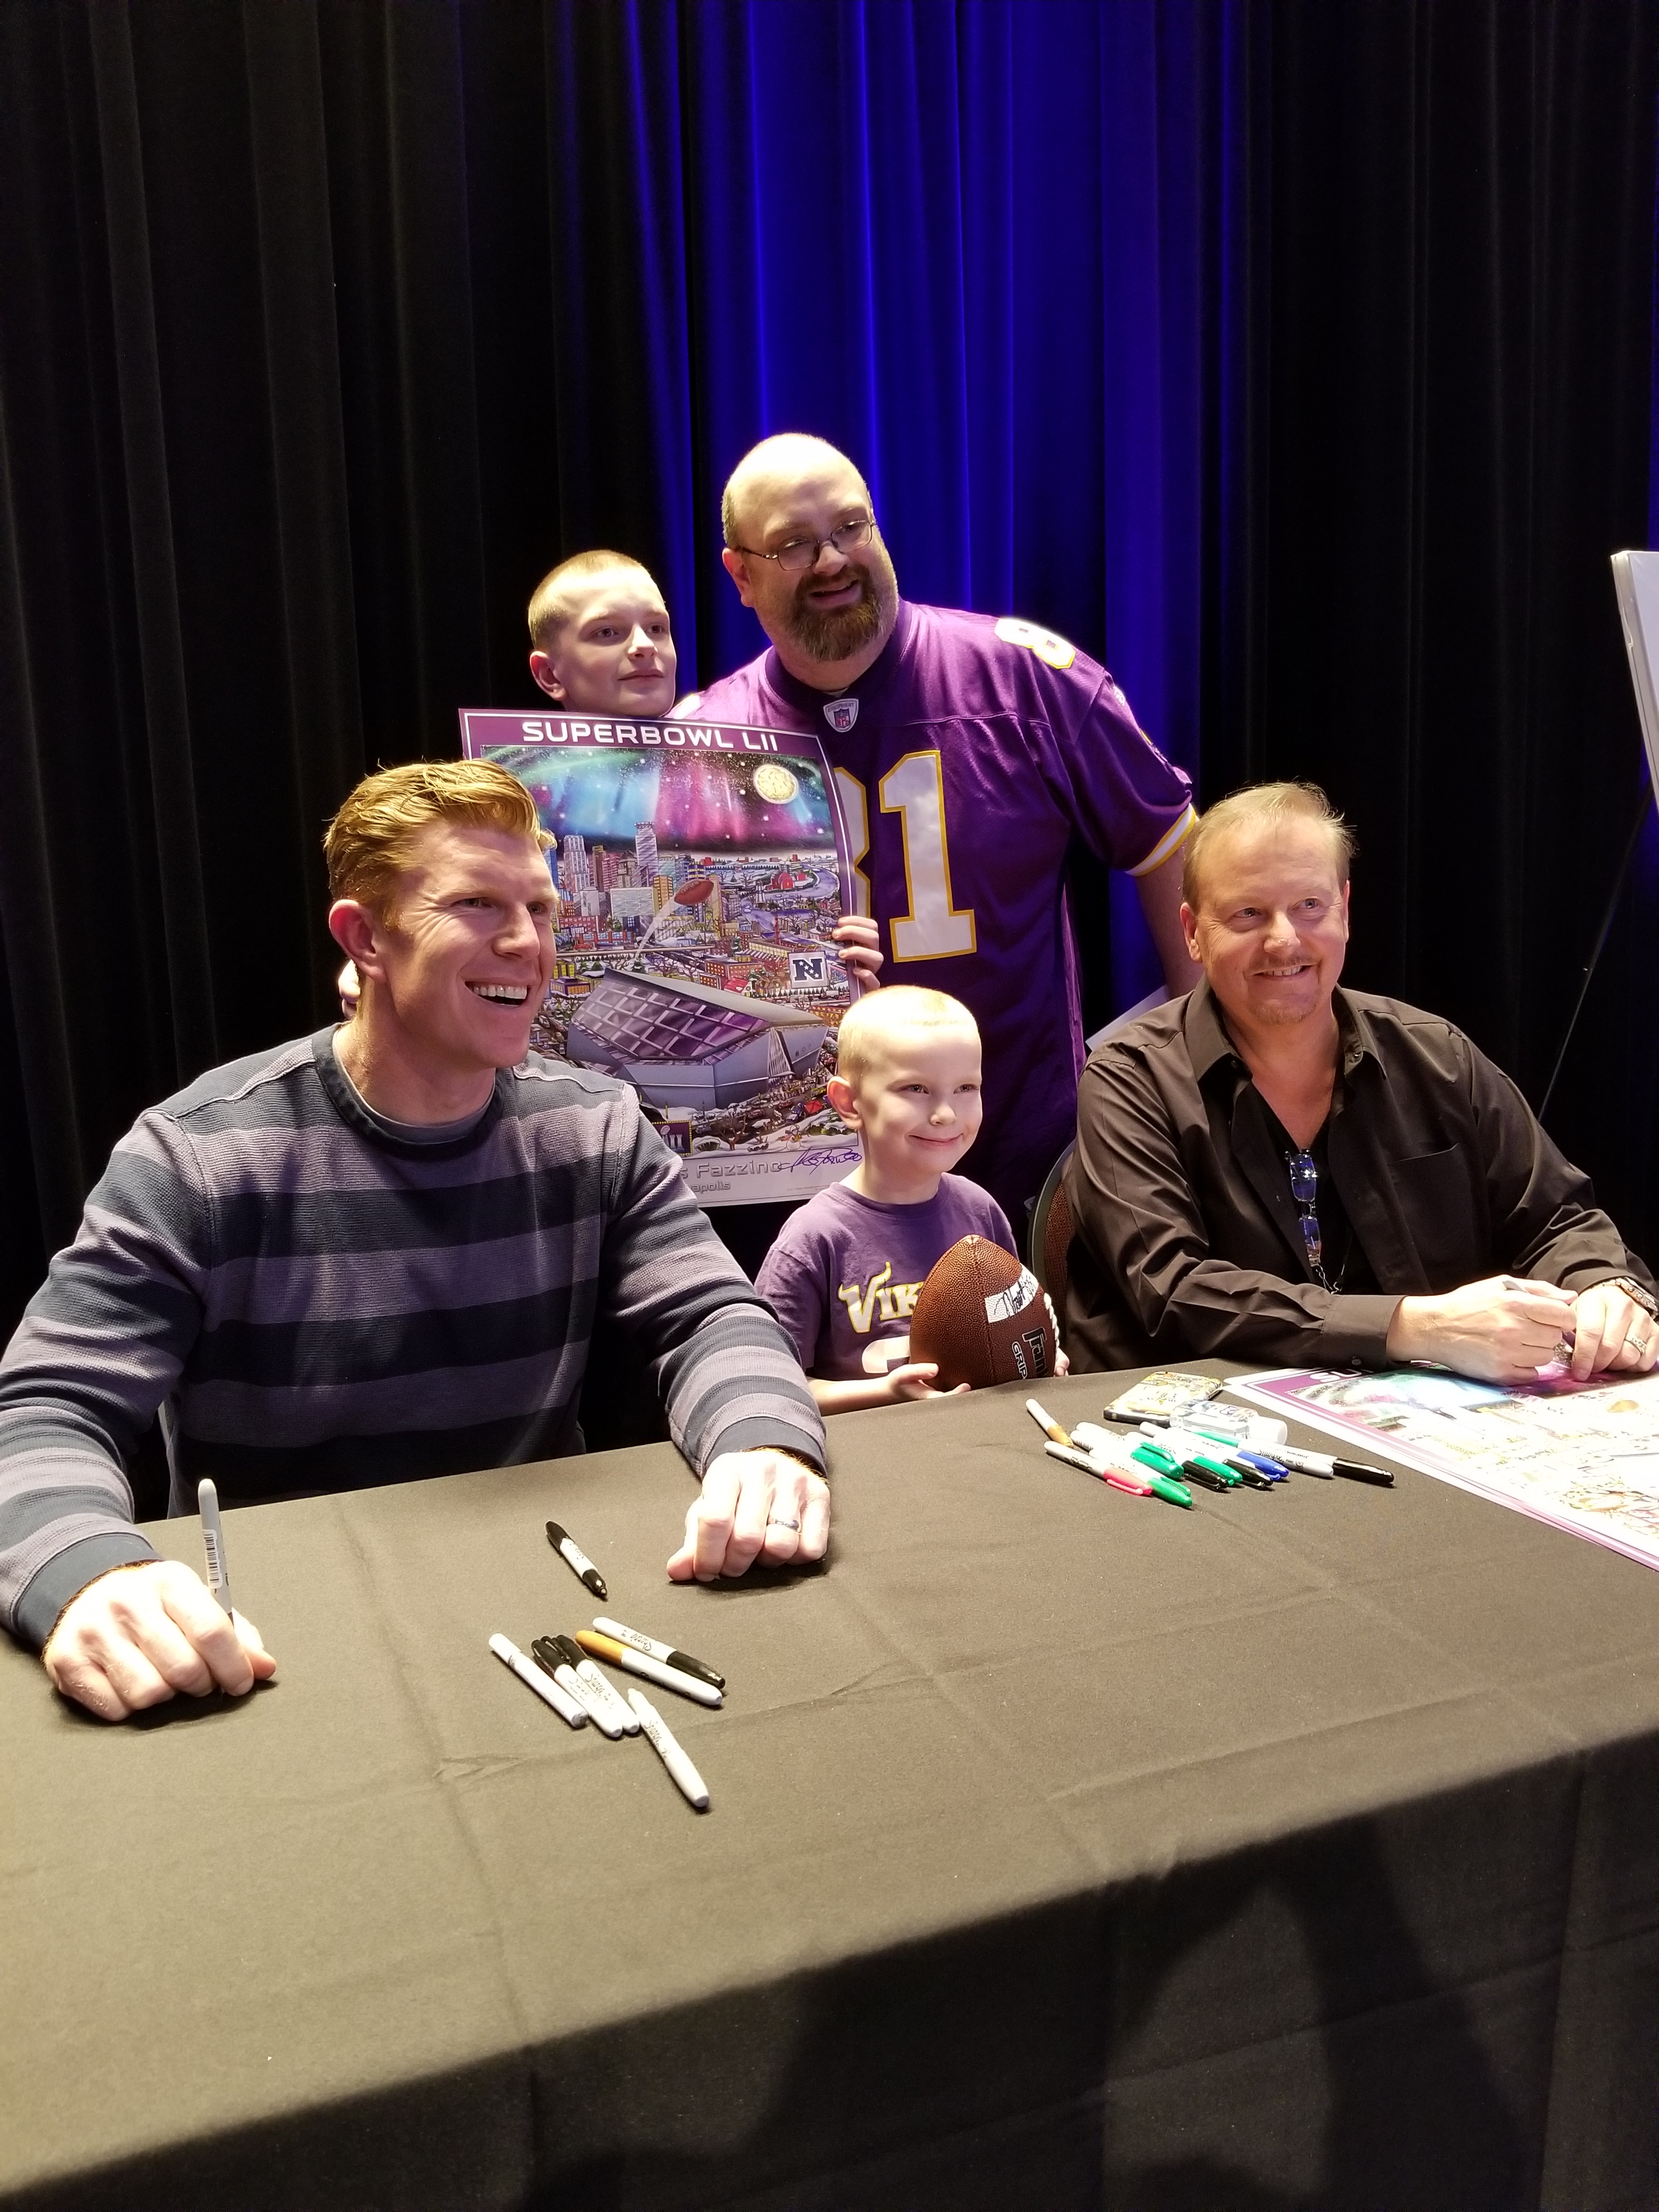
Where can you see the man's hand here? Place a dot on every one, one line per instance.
(858, 943)
(1502, 1330)
(1612, 1333)
(754, 1505)
(140, 1635)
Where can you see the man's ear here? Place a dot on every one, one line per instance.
(546, 675)
(839, 1092)
(737, 569)
(1189, 931)
(356, 929)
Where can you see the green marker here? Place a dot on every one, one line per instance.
(1233, 1481)
(1154, 1457)
(1166, 1486)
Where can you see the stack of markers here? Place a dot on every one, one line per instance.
(1159, 1458)
(563, 1675)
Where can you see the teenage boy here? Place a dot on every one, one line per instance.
(602, 645)
(601, 639)
(846, 1268)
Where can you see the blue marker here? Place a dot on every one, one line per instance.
(1275, 1471)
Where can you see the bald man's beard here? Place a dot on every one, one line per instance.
(843, 631)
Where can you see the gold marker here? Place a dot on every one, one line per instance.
(1049, 1426)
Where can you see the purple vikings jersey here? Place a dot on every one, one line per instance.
(967, 757)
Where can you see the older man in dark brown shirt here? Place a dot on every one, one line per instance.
(1278, 1170)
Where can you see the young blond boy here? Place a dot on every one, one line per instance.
(848, 1266)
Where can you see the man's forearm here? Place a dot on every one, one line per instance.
(65, 1518)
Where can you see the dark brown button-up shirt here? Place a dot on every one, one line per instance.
(1188, 1243)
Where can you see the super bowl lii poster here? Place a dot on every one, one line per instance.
(700, 869)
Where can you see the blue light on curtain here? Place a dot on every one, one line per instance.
(972, 245)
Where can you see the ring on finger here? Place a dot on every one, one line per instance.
(1637, 1341)
(777, 1521)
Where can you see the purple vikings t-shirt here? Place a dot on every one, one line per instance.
(845, 1271)
(967, 757)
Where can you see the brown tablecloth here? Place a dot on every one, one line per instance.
(1066, 1850)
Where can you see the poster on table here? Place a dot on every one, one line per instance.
(1582, 1457)
(701, 868)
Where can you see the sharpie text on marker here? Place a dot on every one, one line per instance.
(665, 1652)
(662, 1740)
(652, 1670)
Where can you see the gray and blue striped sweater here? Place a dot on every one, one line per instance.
(322, 1306)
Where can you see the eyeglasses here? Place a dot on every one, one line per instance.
(802, 553)
(1304, 1189)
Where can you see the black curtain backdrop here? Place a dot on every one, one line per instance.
(1297, 358)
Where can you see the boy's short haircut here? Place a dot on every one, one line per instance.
(878, 1014)
(550, 606)
(367, 843)
(1263, 802)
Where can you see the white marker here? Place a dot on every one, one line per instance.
(567, 1707)
(597, 1692)
(552, 1660)
(213, 1540)
(1045, 1421)
(689, 1784)
(665, 1652)
(653, 1670)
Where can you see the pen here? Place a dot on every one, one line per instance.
(653, 1670)
(213, 1540)
(595, 1685)
(576, 1559)
(660, 1737)
(1322, 1464)
(548, 1691)
(665, 1652)
(1049, 1426)
(547, 1656)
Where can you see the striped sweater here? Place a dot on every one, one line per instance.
(318, 1306)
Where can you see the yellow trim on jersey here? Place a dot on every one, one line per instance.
(1174, 837)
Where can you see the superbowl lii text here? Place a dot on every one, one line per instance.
(703, 735)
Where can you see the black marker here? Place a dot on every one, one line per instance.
(1312, 1462)
(576, 1559)
(665, 1652)
(1195, 1471)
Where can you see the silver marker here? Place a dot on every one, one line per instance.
(687, 1780)
(665, 1652)
(544, 1685)
(213, 1540)
(651, 1670)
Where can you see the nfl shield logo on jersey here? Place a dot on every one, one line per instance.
(841, 714)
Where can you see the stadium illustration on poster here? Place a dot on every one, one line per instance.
(700, 870)
(1582, 1457)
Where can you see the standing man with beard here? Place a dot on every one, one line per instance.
(968, 752)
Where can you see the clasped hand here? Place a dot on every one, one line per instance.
(1505, 1328)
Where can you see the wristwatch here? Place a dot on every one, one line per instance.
(1634, 1291)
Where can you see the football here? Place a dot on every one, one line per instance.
(983, 1318)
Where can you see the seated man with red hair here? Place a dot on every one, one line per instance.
(373, 1254)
